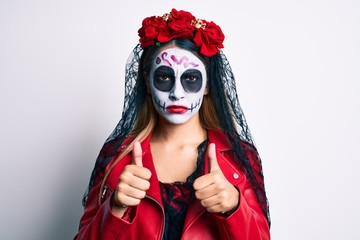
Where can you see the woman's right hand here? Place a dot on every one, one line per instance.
(132, 185)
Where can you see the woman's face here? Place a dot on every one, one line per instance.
(177, 84)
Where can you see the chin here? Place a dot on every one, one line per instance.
(177, 119)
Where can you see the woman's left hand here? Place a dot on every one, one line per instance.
(214, 191)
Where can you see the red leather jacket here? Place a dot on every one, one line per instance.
(146, 221)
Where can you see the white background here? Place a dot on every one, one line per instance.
(297, 65)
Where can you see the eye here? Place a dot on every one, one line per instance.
(164, 78)
(164, 73)
(190, 78)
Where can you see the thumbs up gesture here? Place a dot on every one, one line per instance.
(133, 183)
(214, 191)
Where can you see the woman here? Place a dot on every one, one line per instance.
(181, 163)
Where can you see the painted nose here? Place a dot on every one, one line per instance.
(177, 92)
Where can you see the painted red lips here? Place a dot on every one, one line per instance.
(177, 109)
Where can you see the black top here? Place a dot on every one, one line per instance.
(177, 196)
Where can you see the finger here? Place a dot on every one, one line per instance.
(202, 182)
(210, 202)
(131, 191)
(214, 166)
(206, 192)
(220, 202)
(140, 184)
(216, 204)
(136, 177)
(208, 179)
(123, 199)
(137, 155)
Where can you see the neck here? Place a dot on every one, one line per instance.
(190, 132)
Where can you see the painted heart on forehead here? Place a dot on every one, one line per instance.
(177, 84)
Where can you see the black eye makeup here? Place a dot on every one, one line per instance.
(191, 80)
(164, 78)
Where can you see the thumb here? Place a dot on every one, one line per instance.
(137, 155)
(212, 158)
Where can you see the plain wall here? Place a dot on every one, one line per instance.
(297, 65)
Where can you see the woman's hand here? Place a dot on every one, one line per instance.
(132, 185)
(214, 191)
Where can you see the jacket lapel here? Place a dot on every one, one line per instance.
(195, 209)
(154, 191)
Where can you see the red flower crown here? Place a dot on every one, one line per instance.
(181, 24)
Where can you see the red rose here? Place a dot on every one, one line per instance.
(149, 31)
(180, 22)
(210, 39)
(178, 26)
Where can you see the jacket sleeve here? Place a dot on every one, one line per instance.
(247, 222)
(97, 221)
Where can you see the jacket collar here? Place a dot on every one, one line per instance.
(220, 139)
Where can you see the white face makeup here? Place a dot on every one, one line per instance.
(177, 84)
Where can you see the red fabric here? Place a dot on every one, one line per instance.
(147, 219)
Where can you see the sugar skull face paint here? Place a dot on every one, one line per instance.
(177, 84)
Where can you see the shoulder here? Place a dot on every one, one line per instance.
(249, 149)
(222, 142)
